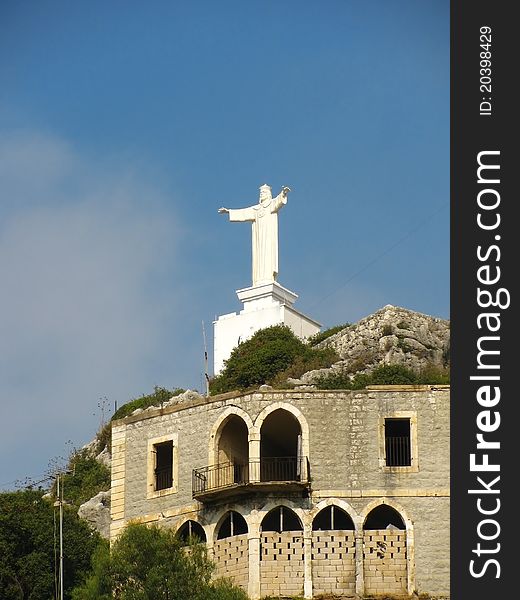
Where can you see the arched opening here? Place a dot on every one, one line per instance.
(331, 518)
(282, 562)
(233, 445)
(232, 452)
(280, 447)
(281, 519)
(191, 532)
(232, 524)
(384, 517)
(333, 544)
(385, 556)
(230, 550)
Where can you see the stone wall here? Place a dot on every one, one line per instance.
(282, 563)
(384, 562)
(231, 556)
(333, 562)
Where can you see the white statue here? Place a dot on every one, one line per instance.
(264, 217)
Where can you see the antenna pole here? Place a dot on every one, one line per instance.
(60, 500)
(206, 376)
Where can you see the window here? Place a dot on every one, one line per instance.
(162, 466)
(398, 442)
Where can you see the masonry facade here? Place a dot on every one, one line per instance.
(298, 492)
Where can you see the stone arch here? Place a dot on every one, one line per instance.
(258, 516)
(333, 548)
(281, 518)
(282, 554)
(281, 434)
(218, 427)
(298, 415)
(231, 548)
(345, 506)
(331, 518)
(390, 546)
(190, 528)
(386, 502)
(230, 524)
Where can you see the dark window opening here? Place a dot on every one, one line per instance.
(163, 465)
(280, 447)
(330, 518)
(281, 519)
(398, 451)
(233, 524)
(191, 532)
(384, 517)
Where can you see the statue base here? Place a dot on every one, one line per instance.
(264, 305)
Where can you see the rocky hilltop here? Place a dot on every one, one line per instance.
(390, 336)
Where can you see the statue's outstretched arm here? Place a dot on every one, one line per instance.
(239, 214)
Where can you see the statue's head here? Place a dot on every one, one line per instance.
(265, 193)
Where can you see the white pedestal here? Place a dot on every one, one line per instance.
(264, 305)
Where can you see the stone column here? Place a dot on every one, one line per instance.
(254, 565)
(307, 562)
(254, 456)
(360, 576)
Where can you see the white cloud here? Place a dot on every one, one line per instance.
(83, 249)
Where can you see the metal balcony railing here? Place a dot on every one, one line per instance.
(266, 470)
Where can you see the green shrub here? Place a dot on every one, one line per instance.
(388, 330)
(384, 375)
(265, 355)
(159, 396)
(310, 360)
(87, 477)
(323, 335)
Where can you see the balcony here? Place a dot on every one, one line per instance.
(270, 474)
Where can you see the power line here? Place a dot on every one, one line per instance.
(419, 225)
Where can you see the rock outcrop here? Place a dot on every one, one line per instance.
(96, 512)
(390, 336)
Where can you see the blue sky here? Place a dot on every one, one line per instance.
(125, 125)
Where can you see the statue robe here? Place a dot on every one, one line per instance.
(264, 217)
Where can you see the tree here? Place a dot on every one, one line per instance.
(149, 563)
(28, 544)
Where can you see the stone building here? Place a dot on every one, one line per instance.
(298, 492)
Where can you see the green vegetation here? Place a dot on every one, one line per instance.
(159, 396)
(28, 545)
(86, 477)
(323, 335)
(384, 375)
(269, 353)
(388, 329)
(149, 563)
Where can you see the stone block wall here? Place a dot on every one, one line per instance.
(281, 563)
(231, 555)
(384, 562)
(333, 562)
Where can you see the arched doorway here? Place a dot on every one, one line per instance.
(333, 552)
(281, 447)
(232, 453)
(231, 549)
(281, 553)
(384, 552)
